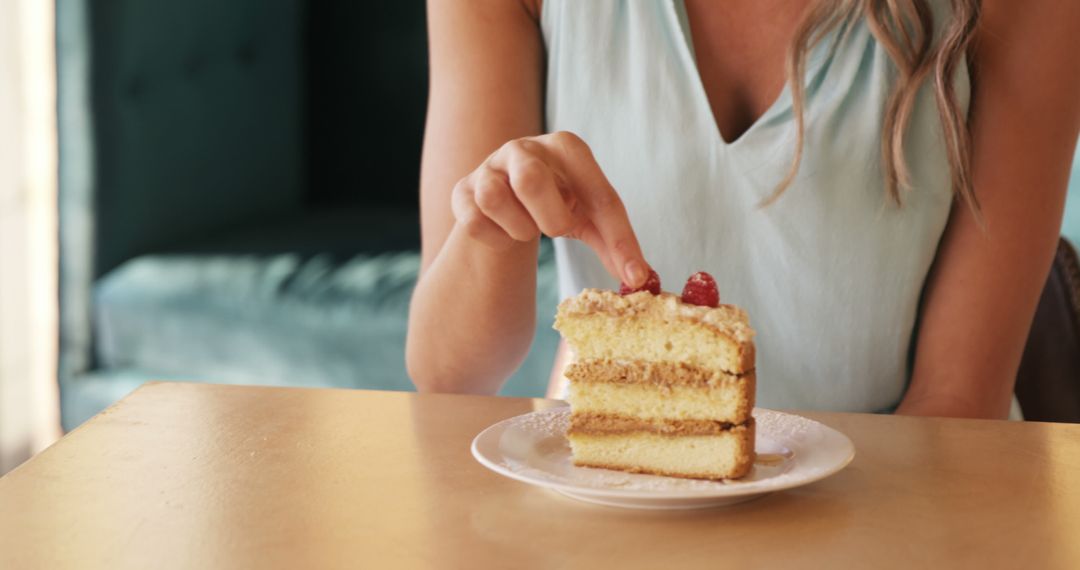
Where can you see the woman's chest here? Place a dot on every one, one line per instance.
(740, 49)
(623, 76)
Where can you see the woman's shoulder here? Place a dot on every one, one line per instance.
(1008, 21)
(1039, 36)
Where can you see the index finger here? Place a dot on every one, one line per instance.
(603, 207)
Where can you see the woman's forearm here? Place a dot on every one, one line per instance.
(973, 404)
(472, 317)
(474, 307)
(472, 313)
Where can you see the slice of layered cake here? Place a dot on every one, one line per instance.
(660, 383)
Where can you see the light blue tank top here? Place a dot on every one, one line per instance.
(831, 274)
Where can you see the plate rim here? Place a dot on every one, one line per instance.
(724, 490)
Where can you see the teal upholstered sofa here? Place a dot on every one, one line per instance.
(238, 194)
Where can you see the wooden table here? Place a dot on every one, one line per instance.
(201, 476)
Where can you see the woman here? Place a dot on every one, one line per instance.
(888, 219)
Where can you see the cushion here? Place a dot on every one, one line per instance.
(289, 319)
(1048, 381)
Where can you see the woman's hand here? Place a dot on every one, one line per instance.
(549, 184)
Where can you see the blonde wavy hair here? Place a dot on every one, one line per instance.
(905, 28)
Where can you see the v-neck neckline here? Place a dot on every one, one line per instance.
(781, 102)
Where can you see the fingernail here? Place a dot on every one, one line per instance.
(635, 273)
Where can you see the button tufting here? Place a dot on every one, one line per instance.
(194, 65)
(135, 87)
(245, 53)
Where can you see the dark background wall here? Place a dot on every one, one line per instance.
(367, 92)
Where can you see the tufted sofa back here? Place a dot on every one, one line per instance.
(179, 119)
(176, 119)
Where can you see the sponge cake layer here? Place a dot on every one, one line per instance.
(602, 325)
(728, 455)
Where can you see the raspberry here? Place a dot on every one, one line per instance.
(701, 290)
(652, 285)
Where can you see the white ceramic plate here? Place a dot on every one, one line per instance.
(792, 451)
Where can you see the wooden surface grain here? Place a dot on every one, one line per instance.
(204, 476)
